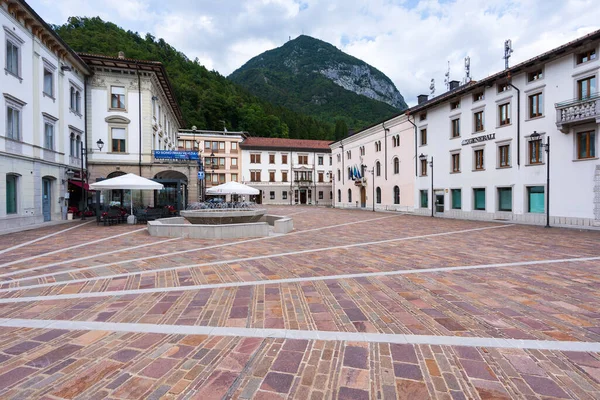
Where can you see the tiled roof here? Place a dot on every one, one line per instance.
(504, 74)
(289, 144)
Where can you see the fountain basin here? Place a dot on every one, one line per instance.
(223, 216)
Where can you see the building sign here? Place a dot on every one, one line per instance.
(175, 155)
(478, 139)
(200, 175)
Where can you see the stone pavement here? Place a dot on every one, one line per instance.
(351, 305)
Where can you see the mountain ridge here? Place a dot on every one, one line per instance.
(309, 75)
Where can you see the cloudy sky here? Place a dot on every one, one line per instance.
(411, 41)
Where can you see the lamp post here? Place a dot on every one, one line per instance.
(546, 147)
(83, 191)
(423, 157)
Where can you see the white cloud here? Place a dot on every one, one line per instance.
(410, 41)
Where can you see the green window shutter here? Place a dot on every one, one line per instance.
(536, 199)
(479, 199)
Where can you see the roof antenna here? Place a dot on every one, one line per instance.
(467, 69)
(432, 87)
(447, 77)
(507, 52)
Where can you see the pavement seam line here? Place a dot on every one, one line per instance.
(70, 248)
(170, 254)
(73, 281)
(20, 271)
(304, 334)
(42, 238)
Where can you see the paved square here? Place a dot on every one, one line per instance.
(350, 305)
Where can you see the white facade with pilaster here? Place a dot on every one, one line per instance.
(42, 125)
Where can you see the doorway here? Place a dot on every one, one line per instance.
(47, 199)
(302, 196)
(439, 201)
(363, 197)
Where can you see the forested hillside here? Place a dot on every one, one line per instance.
(206, 97)
(313, 77)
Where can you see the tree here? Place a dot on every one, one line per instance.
(341, 130)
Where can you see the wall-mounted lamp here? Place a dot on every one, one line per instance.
(100, 144)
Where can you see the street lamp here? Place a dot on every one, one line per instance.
(546, 147)
(423, 157)
(100, 144)
(83, 191)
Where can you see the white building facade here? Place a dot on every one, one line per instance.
(131, 115)
(383, 154)
(487, 140)
(288, 171)
(43, 129)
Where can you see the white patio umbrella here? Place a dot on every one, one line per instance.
(232, 188)
(127, 182)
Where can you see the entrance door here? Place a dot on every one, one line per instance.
(258, 197)
(302, 196)
(439, 201)
(363, 197)
(46, 199)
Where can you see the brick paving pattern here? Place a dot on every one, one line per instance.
(549, 291)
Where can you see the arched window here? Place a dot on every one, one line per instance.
(330, 195)
(378, 168)
(73, 144)
(349, 173)
(376, 146)
(393, 141)
(349, 195)
(77, 101)
(378, 195)
(73, 98)
(396, 195)
(396, 165)
(339, 196)
(339, 174)
(78, 146)
(397, 140)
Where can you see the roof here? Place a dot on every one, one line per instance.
(504, 74)
(194, 132)
(260, 143)
(55, 41)
(143, 65)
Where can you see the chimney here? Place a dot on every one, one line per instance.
(454, 84)
(422, 98)
(121, 55)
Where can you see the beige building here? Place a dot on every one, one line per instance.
(375, 168)
(132, 124)
(220, 155)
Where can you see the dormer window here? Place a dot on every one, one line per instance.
(586, 56)
(478, 96)
(503, 87)
(535, 75)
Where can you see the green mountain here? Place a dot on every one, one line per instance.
(313, 77)
(206, 97)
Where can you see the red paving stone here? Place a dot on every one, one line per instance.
(556, 301)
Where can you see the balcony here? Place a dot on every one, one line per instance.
(577, 111)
